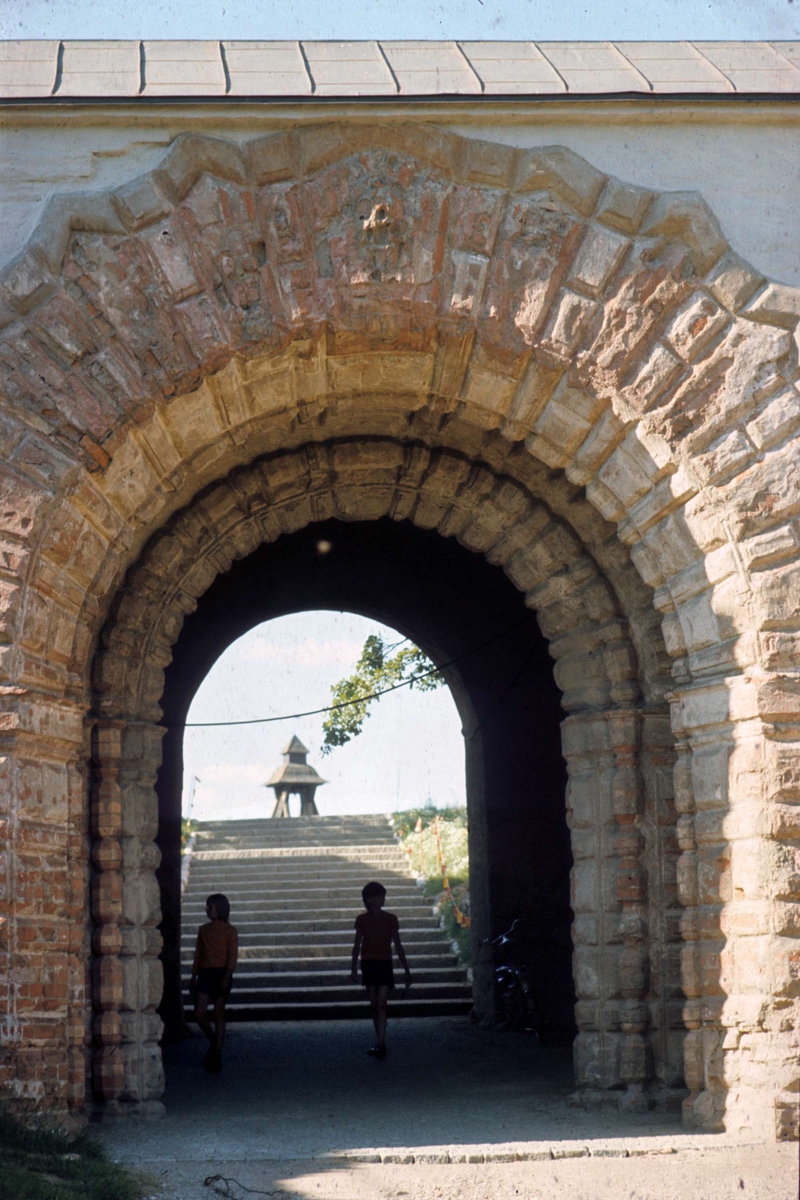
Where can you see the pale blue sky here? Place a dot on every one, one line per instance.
(537, 19)
(411, 747)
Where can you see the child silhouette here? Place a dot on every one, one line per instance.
(215, 959)
(375, 932)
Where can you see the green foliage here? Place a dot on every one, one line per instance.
(457, 933)
(424, 860)
(377, 669)
(39, 1162)
(405, 821)
(422, 846)
(188, 828)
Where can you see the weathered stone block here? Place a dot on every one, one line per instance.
(623, 206)
(733, 281)
(600, 255)
(777, 420)
(778, 304)
(568, 175)
(685, 215)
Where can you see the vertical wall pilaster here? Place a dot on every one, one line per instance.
(665, 998)
(127, 975)
(596, 958)
(621, 818)
(142, 972)
(106, 830)
(691, 981)
(636, 1066)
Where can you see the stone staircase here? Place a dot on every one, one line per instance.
(295, 890)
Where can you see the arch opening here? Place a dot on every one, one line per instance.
(462, 612)
(615, 738)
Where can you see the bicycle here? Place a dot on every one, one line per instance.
(515, 997)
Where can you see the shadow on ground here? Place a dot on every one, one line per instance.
(297, 1090)
(295, 1098)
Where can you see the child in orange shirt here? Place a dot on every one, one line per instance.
(375, 932)
(215, 959)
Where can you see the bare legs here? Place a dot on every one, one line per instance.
(379, 999)
(215, 1034)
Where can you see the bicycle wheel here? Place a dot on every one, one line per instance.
(514, 1006)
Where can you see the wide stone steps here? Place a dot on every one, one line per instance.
(270, 831)
(335, 842)
(272, 877)
(343, 993)
(328, 974)
(347, 1011)
(371, 856)
(291, 883)
(295, 890)
(320, 937)
(426, 954)
(316, 918)
(301, 901)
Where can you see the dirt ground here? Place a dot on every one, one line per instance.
(300, 1113)
(753, 1174)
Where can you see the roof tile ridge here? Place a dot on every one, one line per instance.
(473, 69)
(632, 65)
(551, 64)
(312, 81)
(714, 67)
(389, 66)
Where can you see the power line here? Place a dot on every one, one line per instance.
(315, 712)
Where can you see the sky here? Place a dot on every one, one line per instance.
(465, 19)
(411, 748)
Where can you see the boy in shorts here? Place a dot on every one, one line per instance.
(215, 959)
(375, 932)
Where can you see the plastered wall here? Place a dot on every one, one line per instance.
(744, 158)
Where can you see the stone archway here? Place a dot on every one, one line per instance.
(596, 667)
(517, 311)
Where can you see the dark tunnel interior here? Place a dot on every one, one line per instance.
(460, 610)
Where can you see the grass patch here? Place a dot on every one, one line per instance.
(39, 1162)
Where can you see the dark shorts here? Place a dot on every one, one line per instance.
(209, 983)
(377, 973)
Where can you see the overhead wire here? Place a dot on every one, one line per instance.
(315, 712)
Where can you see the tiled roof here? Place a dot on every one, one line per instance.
(98, 70)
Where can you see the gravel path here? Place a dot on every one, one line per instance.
(300, 1112)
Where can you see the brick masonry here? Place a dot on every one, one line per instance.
(576, 377)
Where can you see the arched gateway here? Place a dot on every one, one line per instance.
(573, 378)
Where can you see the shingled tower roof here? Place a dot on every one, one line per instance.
(294, 769)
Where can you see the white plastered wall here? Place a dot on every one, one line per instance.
(743, 157)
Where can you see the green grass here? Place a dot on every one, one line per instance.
(39, 1162)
